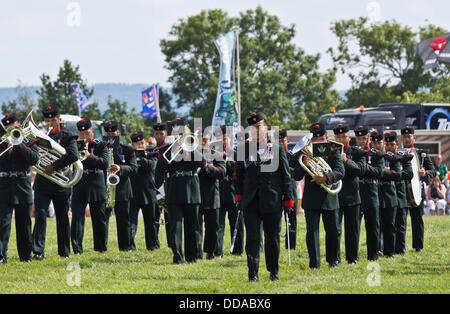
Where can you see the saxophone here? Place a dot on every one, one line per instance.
(112, 180)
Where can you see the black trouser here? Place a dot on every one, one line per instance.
(232, 218)
(292, 232)
(150, 224)
(98, 219)
(388, 229)
(187, 214)
(211, 217)
(23, 229)
(352, 219)
(372, 222)
(417, 226)
(271, 227)
(61, 205)
(400, 230)
(330, 222)
(122, 213)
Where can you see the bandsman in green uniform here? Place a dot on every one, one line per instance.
(292, 212)
(124, 166)
(144, 193)
(182, 192)
(427, 171)
(389, 198)
(368, 187)
(46, 191)
(349, 198)
(91, 189)
(263, 186)
(318, 202)
(160, 134)
(210, 196)
(15, 192)
(404, 166)
(228, 200)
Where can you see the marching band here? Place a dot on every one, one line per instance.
(185, 187)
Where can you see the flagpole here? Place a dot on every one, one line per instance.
(238, 72)
(158, 116)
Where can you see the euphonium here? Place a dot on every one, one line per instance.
(48, 154)
(317, 166)
(188, 142)
(112, 180)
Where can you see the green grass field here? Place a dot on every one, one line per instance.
(152, 272)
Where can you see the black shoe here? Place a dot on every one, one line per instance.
(274, 277)
(209, 256)
(39, 256)
(3, 260)
(352, 262)
(313, 267)
(418, 250)
(253, 279)
(28, 260)
(389, 256)
(334, 264)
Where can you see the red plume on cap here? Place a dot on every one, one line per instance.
(83, 121)
(49, 108)
(388, 133)
(340, 124)
(109, 123)
(159, 122)
(7, 115)
(360, 127)
(135, 133)
(253, 113)
(317, 126)
(375, 132)
(406, 127)
(178, 118)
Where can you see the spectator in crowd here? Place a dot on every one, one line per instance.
(436, 197)
(441, 169)
(448, 202)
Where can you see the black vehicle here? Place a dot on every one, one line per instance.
(372, 117)
(428, 116)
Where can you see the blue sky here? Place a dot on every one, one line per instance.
(118, 41)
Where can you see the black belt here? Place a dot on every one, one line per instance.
(89, 171)
(189, 173)
(16, 174)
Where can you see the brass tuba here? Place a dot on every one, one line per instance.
(317, 165)
(48, 153)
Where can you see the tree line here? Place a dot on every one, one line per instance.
(276, 76)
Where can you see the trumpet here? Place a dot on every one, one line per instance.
(82, 150)
(317, 165)
(188, 142)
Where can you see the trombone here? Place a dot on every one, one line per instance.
(14, 136)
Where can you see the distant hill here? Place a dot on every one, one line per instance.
(131, 93)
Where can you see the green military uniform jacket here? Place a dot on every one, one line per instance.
(143, 182)
(125, 157)
(391, 174)
(314, 196)
(15, 180)
(183, 184)
(209, 183)
(68, 141)
(354, 168)
(271, 188)
(407, 174)
(368, 183)
(92, 187)
(428, 166)
(292, 161)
